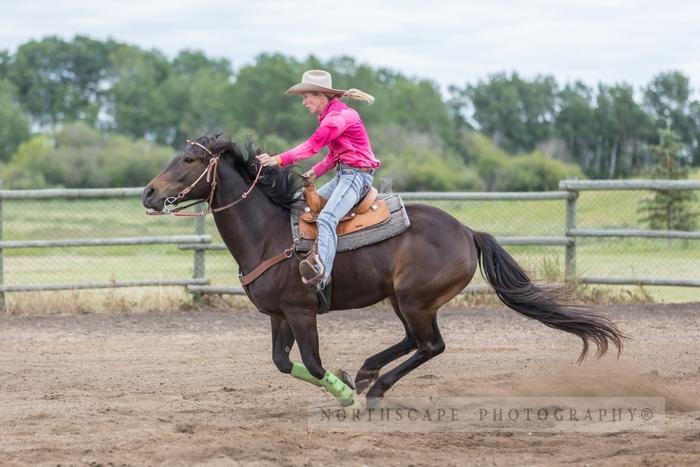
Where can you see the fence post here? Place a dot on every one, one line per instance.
(570, 255)
(199, 271)
(2, 259)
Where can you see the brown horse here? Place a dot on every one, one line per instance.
(418, 271)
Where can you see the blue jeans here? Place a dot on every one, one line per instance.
(343, 192)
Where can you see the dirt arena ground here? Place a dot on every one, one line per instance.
(199, 388)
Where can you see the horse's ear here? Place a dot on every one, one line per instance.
(221, 142)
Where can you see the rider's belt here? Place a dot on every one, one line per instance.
(368, 170)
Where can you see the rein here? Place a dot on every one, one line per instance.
(212, 175)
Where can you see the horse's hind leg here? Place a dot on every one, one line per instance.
(422, 325)
(370, 368)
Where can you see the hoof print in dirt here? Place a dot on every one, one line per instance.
(184, 428)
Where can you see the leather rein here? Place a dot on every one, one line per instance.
(212, 175)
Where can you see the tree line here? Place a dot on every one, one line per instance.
(502, 132)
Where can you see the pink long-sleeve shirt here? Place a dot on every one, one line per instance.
(342, 130)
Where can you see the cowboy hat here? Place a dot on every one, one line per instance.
(315, 81)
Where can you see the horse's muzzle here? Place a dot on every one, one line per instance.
(152, 199)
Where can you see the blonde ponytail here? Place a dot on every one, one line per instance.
(359, 96)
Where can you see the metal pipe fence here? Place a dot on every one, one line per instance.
(100, 238)
(578, 186)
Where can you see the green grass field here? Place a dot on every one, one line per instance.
(61, 219)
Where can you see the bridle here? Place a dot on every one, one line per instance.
(212, 175)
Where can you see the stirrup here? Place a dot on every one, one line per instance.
(311, 272)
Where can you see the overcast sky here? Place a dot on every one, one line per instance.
(450, 42)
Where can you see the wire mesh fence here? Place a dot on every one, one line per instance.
(61, 218)
(630, 257)
(617, 208)
(104, 218)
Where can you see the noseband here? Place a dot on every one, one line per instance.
(212, 175)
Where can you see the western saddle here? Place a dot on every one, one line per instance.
(368, 212)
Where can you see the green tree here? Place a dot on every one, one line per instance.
(191, 62)
(28, 164)
(621, 129)
(516, 113)
(668, 100)
(575, 121)
(694, 115)
(14, 122)
(205, 91)
(669, 209)
(417, 106)
(490, 160)
(60, 81)
(5, 62)
(144, 100)
(168, 102)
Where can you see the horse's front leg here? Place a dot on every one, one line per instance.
(282, 342)
(303, 326)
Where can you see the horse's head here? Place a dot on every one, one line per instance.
(188, 176)
(193, 175)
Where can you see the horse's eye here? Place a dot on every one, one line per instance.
(189, 160)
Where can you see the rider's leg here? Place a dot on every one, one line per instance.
(346, 194)
(327, 189)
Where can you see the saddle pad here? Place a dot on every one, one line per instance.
(397, 223)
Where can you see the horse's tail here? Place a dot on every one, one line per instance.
(516, 290)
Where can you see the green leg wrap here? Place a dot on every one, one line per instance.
(340, 390)
(299, 371)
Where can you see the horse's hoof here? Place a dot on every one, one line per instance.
(361, 385)
(374, 402)
(344, 376)
(363, 379)
(354, 410)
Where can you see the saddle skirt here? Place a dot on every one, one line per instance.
(375, 218)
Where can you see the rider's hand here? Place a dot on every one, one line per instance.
(310, 175)
(266, 160)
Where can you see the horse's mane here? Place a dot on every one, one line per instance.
(280, 184)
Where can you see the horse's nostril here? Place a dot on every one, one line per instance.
(148, 193)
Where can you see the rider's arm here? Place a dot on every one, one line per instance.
(330, 128)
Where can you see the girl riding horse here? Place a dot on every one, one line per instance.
(350, 152)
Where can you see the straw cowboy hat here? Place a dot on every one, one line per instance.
(315, 81)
